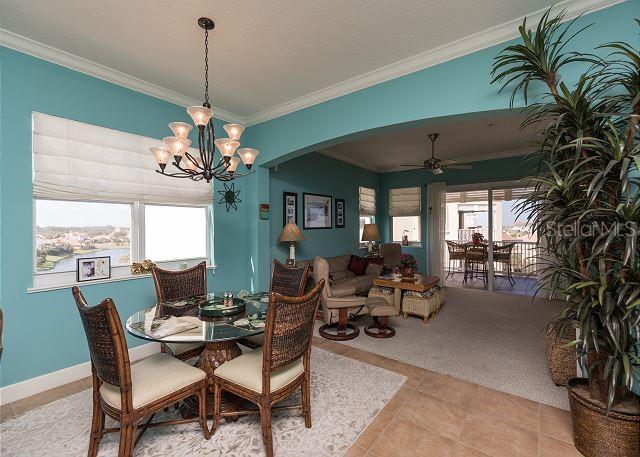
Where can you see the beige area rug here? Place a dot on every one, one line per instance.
(492, 339)
(346, 396)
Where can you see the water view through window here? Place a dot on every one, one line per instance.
(67, 231)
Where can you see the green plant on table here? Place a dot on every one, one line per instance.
(585, 202)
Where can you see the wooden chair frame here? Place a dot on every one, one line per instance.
(130, 418)
(267, 399)
(193, 282)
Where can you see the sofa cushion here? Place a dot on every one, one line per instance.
(358, 265)
(374, 269)
(340, 275)
(338, 263)
(343, 288)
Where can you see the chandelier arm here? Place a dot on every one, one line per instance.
(201, 143)
(176, 175)
(193, 159)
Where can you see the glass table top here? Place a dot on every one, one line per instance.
(145, 323)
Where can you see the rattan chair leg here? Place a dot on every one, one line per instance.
(217, 407)
(127, 439)
(97, 427)
(202, 411)
(265, 422)
(306, 400)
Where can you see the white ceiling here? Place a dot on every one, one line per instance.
(264, 54)
(468, 138)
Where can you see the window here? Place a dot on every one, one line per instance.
(96, 193)
(367, 203)
(404, 209)
(175, 233)
(66, 231)
(406, 225)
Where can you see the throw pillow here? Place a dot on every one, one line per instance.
(357, 265)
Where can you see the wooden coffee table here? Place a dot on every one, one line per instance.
(421, 283)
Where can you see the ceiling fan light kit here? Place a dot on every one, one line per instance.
(436, 165)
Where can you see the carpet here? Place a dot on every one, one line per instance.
(346, 396)
(492, 339)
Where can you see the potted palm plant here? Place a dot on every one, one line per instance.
(586, 206)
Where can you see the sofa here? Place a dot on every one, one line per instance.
(343, 282)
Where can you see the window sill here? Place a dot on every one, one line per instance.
(68, 284)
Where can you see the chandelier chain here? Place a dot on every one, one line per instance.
(206, 66)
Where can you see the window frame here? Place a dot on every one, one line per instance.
(46, 281)
(411, 243)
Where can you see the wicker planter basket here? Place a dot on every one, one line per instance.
(561, 360)
(424, 304)
(597, 434)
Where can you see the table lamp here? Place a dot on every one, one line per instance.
(370, 234)
(290, 234)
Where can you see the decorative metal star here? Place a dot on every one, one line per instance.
(230, 196)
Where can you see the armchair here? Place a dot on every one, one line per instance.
(336, 304)
(390, 253)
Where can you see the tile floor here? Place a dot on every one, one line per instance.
(432, 415)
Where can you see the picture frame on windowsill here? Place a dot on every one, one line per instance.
(93, 268)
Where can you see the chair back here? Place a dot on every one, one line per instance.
(455, 248)
(289, 280)
(181, 284)
(391, 253)
(105, 337)
(289, 328)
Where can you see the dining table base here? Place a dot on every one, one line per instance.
(214, 354)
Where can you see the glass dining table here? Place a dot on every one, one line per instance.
(219, 334)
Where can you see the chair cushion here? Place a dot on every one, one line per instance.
(380, 307)
(343, 288)
(246, 371)
(181, 348)
(358, 265)
(153, 378)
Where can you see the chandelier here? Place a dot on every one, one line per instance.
(206, 166)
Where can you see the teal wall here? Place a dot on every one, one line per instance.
(455, 87)
(42, 331)
(487, 171)
(319, 174)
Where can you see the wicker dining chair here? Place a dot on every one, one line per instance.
(127, 393)
(268, 375)
(456, 253)
(179, 285)
(286, 280)
(502, 255)
(476, 258)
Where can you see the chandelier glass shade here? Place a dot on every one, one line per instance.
(205, 164)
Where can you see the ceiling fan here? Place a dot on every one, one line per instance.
(435, 165)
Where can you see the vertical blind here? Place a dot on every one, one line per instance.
(367, 201)
(77, 161)
(404, 202)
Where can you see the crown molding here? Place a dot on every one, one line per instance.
(467, 45)
(59, 57)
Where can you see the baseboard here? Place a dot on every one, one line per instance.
(33, 386)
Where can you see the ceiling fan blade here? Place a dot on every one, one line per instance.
(412, 165)
(447, 162)
(437, 171)
(460, 167)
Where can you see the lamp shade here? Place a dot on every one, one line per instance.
(370, 233)
(291, 232)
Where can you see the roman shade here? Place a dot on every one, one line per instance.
(482, 195)
(404, 202)
(77, 161)
(367, 201)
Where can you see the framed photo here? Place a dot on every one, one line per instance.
(289, 208)
(339, 213)
(93, 268)
(317, 211)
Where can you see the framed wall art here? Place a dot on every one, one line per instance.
(289, 208)
(317, 211)
(339, 213)
(93, 268)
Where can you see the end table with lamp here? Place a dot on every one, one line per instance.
(290, 234)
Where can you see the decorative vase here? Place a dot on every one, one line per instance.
(598, 432)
